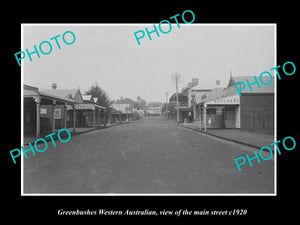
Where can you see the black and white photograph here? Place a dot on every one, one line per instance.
(146, 111)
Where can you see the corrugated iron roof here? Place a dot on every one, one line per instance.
(63, 93)
(255, 89)
(30, 91)
(204, 86)
(214, 94)
(56, 97)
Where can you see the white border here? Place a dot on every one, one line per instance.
(154, 194)
(22, 116)
(275, 110)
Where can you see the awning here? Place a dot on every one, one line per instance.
(90, 106)
(29, 91)
(231, 100)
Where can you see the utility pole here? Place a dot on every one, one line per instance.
(177, 102)
(167, 105)
(175, 77)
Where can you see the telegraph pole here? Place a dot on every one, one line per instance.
(175, 78)
(177, 102)
(167, 105)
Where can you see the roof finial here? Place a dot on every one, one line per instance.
(231, 82)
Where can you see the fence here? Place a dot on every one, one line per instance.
(258, 121)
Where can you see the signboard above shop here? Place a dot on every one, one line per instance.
(231, 100)
(85, 106)
(43, 110)
(57, 114)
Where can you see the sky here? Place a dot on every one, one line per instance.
(110, 55)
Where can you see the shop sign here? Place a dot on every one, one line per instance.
(84, 106)
(43, 110)
(57, 114)
(232, 100)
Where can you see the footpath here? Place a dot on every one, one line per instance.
(252, 139)
(78, 130)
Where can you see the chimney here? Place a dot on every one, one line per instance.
(195, 82)
(218, 82)
(54, 86)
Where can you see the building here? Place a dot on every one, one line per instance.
(153, 111)
(165, 110)
(195, 91)
(256, 107)
(115, 116)
(252, 111)
(88, 112)
(125, 109)
(38, 118)
(49, 110)
(185, 112)
(219, 108)
(196, 94)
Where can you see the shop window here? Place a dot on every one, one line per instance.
(211, 111)
(219, 111)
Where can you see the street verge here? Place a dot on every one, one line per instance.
(28, 140)
(224, 138)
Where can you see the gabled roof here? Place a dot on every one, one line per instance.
(30, 91)
(73, 94)
(197, 96)
(255, 89)
(230, 91)
(204, 86)
(218, 93)
(234, 80)
(65, 93)
(214, 94)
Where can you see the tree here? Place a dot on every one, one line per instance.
(125, 101)
(136, 105)
(141, 103)
(103, 99)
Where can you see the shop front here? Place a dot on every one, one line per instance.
(185, 113)
(220, 113)
(43, 112)
(90, 115)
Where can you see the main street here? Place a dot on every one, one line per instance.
(145, 156)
